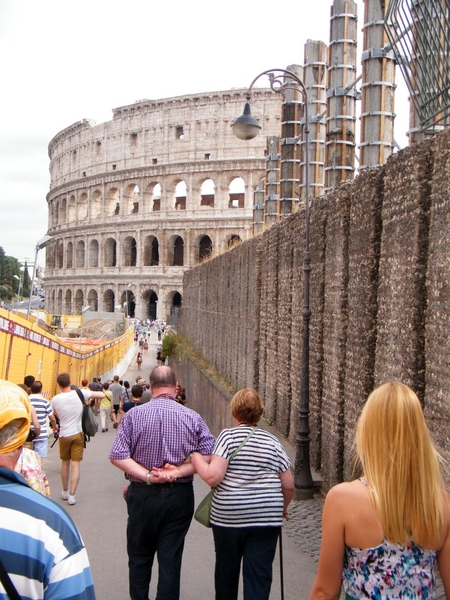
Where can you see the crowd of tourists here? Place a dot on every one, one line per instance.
(385, 534)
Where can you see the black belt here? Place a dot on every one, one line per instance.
(168, 484)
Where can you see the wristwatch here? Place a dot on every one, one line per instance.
(148, 478)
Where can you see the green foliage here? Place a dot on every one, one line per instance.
(26, 281)
(174, 345)
(9, 285)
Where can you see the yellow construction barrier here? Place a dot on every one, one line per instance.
(26, 349)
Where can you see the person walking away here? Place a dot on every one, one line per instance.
(106, 407)
(40, 547)
(384, 534)
(252, 495)
(139, 360)
(135, 398)
(44, 413)
(116, 389)
(68, 408)
(159, 516)
(28, 382)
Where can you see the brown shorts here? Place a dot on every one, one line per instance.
(71, 448)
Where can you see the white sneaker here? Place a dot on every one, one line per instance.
(71, 499)
(65, 494)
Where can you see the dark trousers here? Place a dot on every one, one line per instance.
(253, 546)
(158, 520)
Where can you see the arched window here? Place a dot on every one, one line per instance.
(68, 302)
(112, 204)
(93, 253)
(151, 251)
(108, 301)
(60, 257)
(178, 252)
(129, 252)
(69, 255)
(233, 241)
(156, 198)
(180, 196)
(110, 253)
(207, 192)
(236, 191)
(92, 300)
(205, 248)
(80, 254)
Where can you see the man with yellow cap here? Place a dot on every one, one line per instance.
(42, 554)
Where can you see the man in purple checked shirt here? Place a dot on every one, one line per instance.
(159, 510)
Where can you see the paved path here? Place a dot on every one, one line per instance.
(100, 514)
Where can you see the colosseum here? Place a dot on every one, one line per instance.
(137, 200)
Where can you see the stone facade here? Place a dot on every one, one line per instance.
(136, 201)
(380, 302)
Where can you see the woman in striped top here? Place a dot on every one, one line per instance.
(252, 495)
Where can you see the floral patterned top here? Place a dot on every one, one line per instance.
(393, 571)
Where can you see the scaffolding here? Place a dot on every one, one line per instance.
(418, 32)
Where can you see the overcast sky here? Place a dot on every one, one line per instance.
(64, 61)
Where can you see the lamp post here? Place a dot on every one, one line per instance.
(19, 279)
(247, 127)
(42, 243)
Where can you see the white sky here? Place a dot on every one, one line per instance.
(64, 61)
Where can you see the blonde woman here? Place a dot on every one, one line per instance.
(384, 534)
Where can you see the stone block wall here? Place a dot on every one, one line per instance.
(380, 302)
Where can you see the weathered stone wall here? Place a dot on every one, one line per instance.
(380, 304)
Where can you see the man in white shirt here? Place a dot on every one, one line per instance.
(68, 408)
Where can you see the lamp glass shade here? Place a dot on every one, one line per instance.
(246, 127)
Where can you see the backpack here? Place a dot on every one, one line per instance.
(89, 421)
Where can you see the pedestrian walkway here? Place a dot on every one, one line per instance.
(100, 514)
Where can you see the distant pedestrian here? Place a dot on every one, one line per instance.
(68, 408)
(44, 413)
(139, 360)
(106, 407)
(117, 393)
(135, 398)
(180, 396)
(28, 381)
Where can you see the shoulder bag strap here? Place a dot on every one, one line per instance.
(80, 396)
(241, 444)
(8, 584)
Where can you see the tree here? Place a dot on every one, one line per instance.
(26, 281)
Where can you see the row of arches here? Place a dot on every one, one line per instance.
(127, 254)
(133, 200)
(72, 302)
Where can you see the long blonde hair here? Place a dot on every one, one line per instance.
(401, 465)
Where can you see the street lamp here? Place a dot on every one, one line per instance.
(19, 279)
(246, 127)
(42, 243)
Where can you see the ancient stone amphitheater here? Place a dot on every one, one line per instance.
(137, 200)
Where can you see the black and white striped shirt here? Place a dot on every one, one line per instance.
(250, 493)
